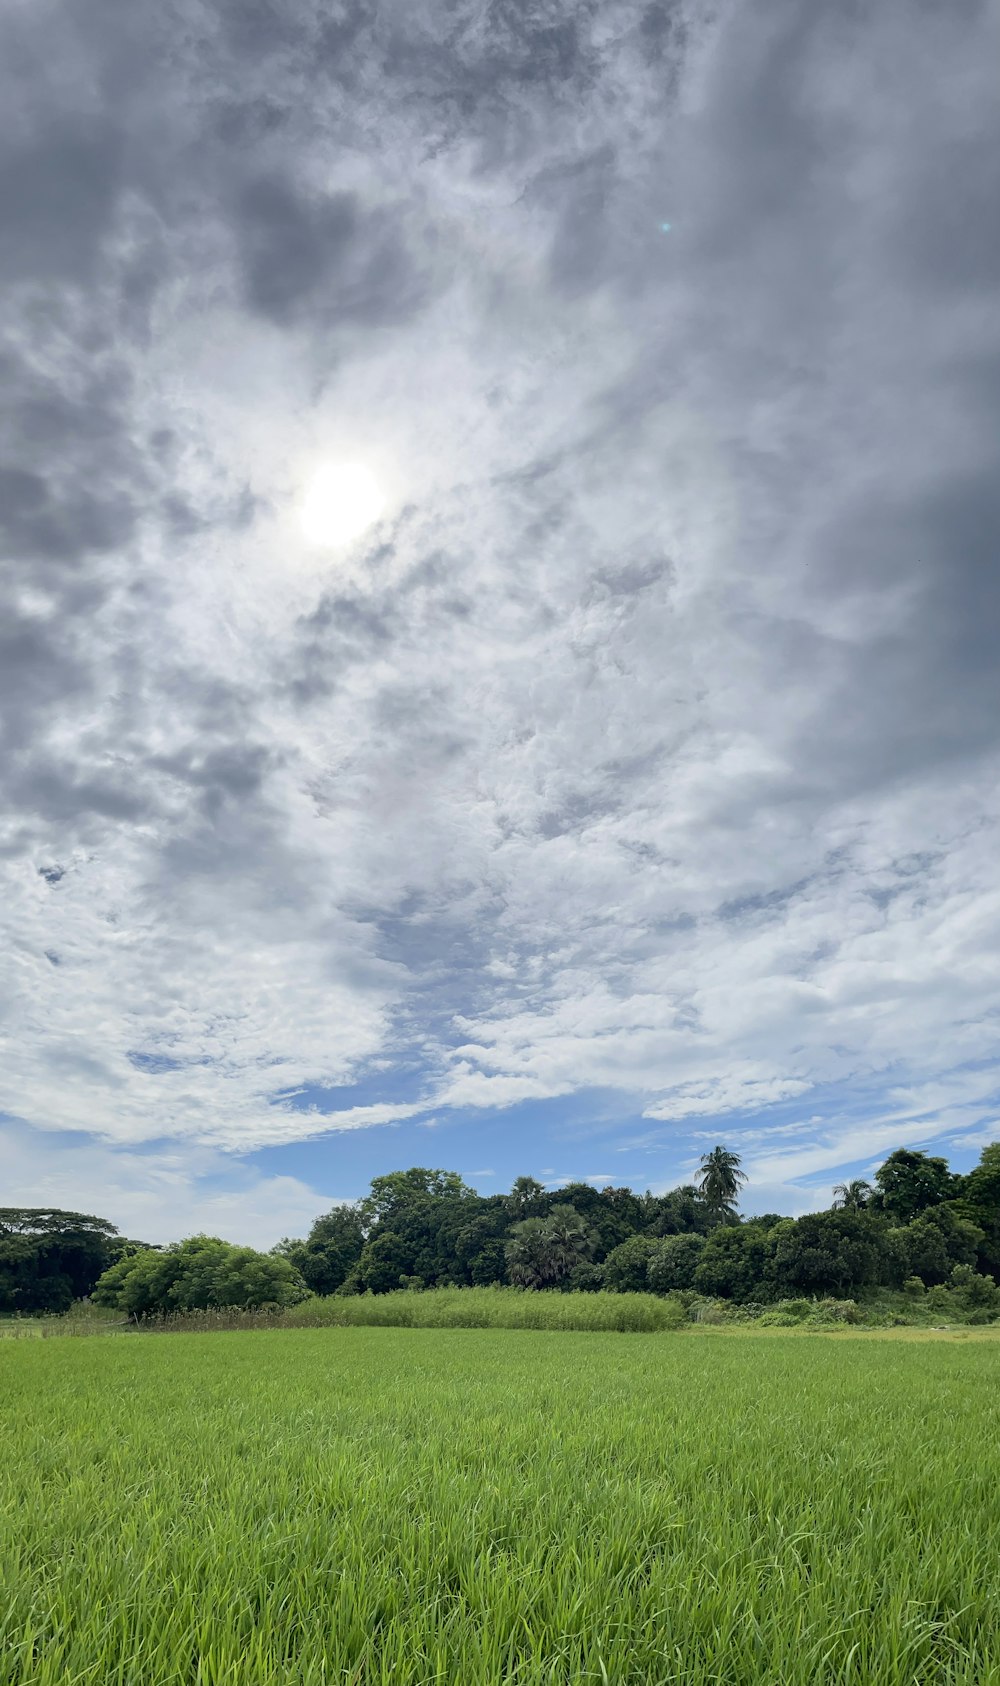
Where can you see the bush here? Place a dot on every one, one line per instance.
(837, 1311)
(702, 1309)
(199, 1274)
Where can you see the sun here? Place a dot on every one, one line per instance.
(340, 501)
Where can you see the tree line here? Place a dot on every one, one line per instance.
(913, 1227)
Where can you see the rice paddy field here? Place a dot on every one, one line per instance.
(476, 1506)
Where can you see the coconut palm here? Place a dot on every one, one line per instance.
(852, 1196)
(719, 1179)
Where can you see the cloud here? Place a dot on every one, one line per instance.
(158, 1195)
(649, 743)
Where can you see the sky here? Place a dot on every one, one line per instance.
(630, 782)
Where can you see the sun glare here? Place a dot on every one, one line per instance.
(341, 500)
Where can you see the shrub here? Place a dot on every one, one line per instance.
(625, 1268)
(837, 1311)
(197, 1275)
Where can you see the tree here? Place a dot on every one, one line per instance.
(926, 1253)
(828, 1252)
(732, 1262)
(982, 1185)
(385, 1258)
(479, 1242)
(626, 1266)
(196, 1275)
(330, 1251)
(49, 1258)
(572, 1238)
(853, 1196)
(399, 1191)
(527, 1198)
(719, 1181)
(529, 1255)
(613, 1213)
(683, 1211)
(427, 1210)
(938, 1240)
(980, 1204)
(673, 1263)
(909, 1182)
(541, 1252)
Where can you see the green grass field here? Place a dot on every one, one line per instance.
(475, 1506)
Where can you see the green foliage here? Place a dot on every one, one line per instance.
(330, 1251)
(384, 1259)
(427, 1225)
(494, 1308)
(541, 1252)
(196, 1274)
(821, 1251)
(49, 1258)
(720, 1179)
(395, 1196)
(682, 1211)
(612, 1214)
(674, 1262)
(939, 1239)
(982, 1185)
(853, 1196)
(733, 1263)
(908, 1182)
(527, 1199)
(626, 1267)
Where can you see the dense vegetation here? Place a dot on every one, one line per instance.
(919, 1228)
(378, 1506)
(49, 1258)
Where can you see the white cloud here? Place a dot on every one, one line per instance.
(650, 743)
(159, 1196)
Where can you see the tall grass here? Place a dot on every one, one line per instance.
(492, 1308)
(299, 1508)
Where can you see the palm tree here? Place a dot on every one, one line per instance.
(719, 1179)
(528, 1251)
(571, 1237)
(541, 1251)
(526, 1194)
(853, 1196)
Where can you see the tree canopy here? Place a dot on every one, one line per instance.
(49, 1258)
(425, 1227)
(195, 1275)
